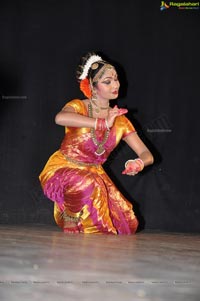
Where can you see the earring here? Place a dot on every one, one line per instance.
(94, 95)
(93, 101)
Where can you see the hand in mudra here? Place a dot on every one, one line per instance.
(113, 113)
(132, 167)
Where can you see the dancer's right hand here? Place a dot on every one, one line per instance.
(113, 113)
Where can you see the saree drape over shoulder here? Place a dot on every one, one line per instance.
(75, 180)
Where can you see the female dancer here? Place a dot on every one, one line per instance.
(85, 198)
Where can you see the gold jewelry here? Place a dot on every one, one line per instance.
(98, 108)
(94, 66)
(71, 217)
(79, 162)
(68, 218)
(100, 144)
(101, 72)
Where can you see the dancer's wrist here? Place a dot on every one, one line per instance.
(137, 160)
(101, 124)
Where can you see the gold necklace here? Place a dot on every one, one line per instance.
(100, 144)
(98, 108)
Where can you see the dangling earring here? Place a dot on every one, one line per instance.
(94, 95)
(93, 101)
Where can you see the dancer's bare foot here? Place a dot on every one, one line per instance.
(70, 227)
(70, 223)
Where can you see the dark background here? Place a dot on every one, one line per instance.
(158, 52)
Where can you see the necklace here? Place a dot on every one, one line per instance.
(100, 144)
(98, 108)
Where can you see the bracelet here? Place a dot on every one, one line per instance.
(101, 124)
(107, 126)
(126, 163)
(138, 159)
(95, 124)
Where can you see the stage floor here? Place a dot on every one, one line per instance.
(39, 262)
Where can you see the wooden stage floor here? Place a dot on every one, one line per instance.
(39, 262)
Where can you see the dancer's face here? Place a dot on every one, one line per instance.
(108, 85)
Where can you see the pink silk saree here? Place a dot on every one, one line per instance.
(75, 180)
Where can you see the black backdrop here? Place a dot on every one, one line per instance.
(41, 43)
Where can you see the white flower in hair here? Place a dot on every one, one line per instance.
(93, 59)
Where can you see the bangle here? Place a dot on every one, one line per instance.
(126, 163)
(138, 159)
(98, 126)
(107, 126)
(101, 124)
(95, 124)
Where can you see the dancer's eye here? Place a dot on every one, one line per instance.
(107, 82)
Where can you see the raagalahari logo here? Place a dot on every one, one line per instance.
(179, 5)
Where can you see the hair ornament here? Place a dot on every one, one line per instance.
(93, 59)
(94, 66)
(85, 87)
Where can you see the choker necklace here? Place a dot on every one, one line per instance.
(100, 144)
(98, 108)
